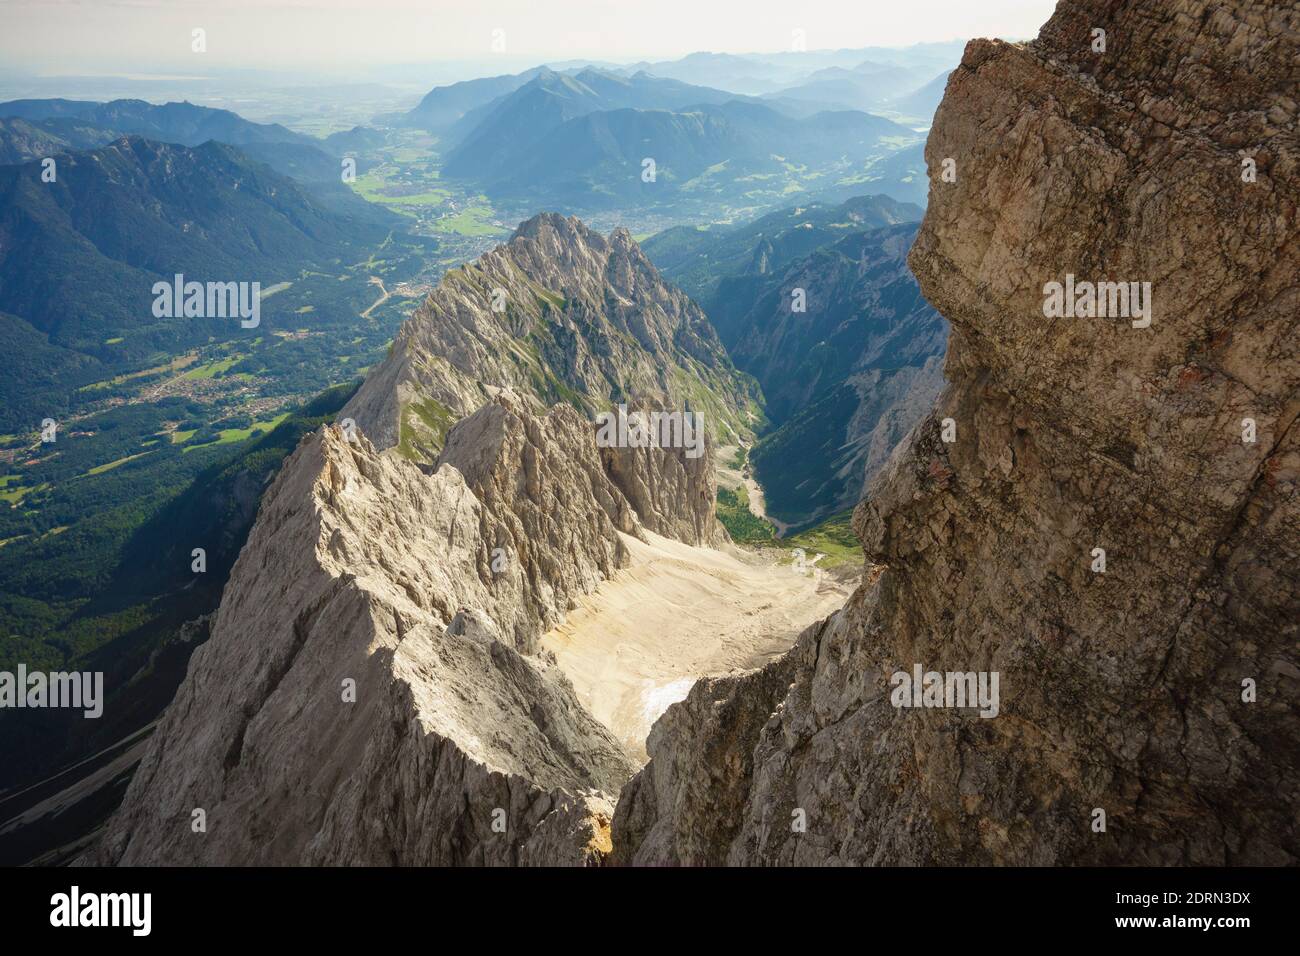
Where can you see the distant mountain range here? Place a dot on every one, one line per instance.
(768, 73)
(442, 106)
(700, 260)
(36, 129)
(492, 142)
(866, 86)
(587, 140)
(182, 123)
(923, 101)
(709, 151)
(793, 81)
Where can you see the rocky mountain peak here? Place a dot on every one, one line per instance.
(558, 312)
(566, 228)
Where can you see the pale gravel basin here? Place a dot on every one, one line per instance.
(639, 642)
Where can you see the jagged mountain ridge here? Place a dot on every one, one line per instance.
(1121, 691)
(584, 319)
(464, 743)
(363, 567)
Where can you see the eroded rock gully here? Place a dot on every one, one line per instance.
(1120, 690)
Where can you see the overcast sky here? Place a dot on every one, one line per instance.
(61, 36)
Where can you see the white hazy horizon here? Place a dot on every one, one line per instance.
(144, 37)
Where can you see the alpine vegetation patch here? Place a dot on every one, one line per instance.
(1100, 300)
(208, 300)
(75, 908)
(83, 691)
(653, 429)
(954, 689)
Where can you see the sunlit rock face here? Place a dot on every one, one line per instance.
(1148, 711)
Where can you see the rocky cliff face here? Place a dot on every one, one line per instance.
(673, 494)
(558, 312)
(1160, 692)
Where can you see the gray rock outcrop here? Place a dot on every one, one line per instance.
(674, 493)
